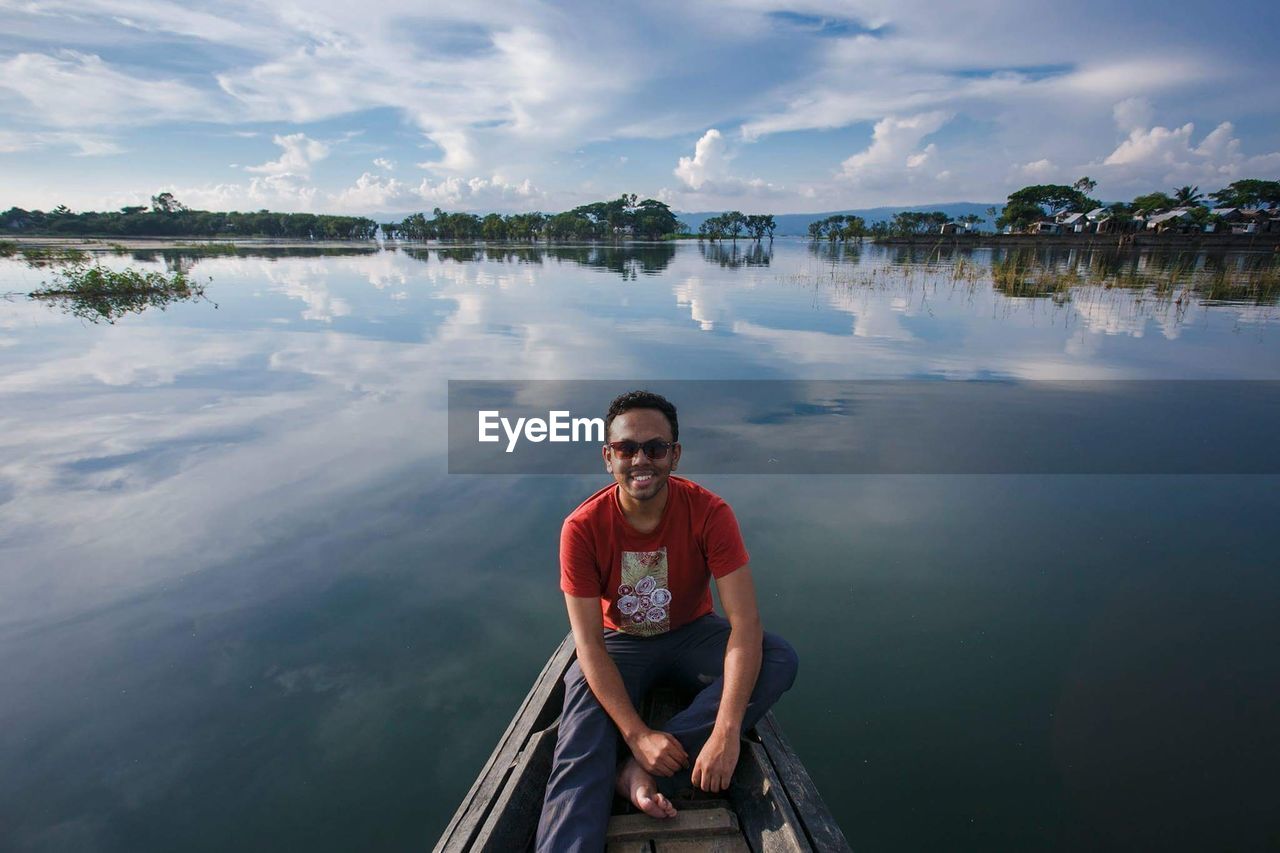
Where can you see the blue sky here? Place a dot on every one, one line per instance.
(758, 106)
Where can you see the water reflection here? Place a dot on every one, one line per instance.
(845, 252)
(238, 588)
(732, 256)
(629, 260)
(110, 307)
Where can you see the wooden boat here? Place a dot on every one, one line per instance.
(772, 806)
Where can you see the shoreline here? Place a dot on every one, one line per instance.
(1128, 242)
(1122, 242)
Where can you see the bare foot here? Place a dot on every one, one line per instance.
(638, 786)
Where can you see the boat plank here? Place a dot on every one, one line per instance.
(477, 803)
(769, 822)
(716, 844)
(819, 824)
(696, 822)
(629, 847)
(514, 816)
(778, 808)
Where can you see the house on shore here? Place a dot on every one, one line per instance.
(1075, 222)
(1178, 219)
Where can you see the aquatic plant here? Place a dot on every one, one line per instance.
(95, 293)
(208, 248)
(8, 248)
(42, 257)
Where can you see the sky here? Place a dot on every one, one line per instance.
(763, 107)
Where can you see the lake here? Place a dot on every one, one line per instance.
(244, 605)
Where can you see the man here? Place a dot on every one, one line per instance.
(636, 559)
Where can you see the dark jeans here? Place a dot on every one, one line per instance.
(575, 813)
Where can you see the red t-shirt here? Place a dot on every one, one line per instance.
(650, 583)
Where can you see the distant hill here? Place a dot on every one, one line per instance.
(797, 224)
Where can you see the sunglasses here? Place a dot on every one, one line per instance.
(654, 448)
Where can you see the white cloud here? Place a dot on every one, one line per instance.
(515, 92)
(1133, 114)
(296, 157)
(374, 192)
(80, 90)
(286, 193)
(894, 153)
(1039, 170)
(455, 151)
(384, 163)
(707, 180)
(709, 161)
(85, 144)
(476, 193)
(1157, 156)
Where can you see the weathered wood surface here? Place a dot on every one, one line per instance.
(629, 847)
(513, 820)
(532, 716)
(694, 822)
(768, 820)
(714, 844)
(772, 805)
(819, 825)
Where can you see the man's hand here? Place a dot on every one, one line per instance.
(714, 767)
(659, 753)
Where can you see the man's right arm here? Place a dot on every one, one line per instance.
(657, 752)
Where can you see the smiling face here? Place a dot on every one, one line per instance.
(640, 478)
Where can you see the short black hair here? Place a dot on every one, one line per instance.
(642, 400)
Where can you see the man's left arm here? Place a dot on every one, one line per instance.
(715, 763)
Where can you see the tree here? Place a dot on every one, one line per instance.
(734, 223)
(1150, 203)
(1019, 214)
(910, 222)
(494, 227)
(1085, 185)
(166, 203)
(525, 226)
(759, 226)
(1249, 192)
(1055, 197)
(652, 219)
(1187, 196)
(854, 228)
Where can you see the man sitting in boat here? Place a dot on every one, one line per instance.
(636, 561)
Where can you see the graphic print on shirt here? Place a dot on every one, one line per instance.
(644, 601)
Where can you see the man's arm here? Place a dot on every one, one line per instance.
(657, 752)
(719, 755)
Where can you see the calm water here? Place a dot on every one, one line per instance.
(243, 606)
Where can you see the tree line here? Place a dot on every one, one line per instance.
(735, 224)
(167, 217)
(623, 217)
(902, 224)
(1034, 203)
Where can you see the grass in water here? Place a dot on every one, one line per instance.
(8, 248)
(207, 248)
(100, 295)
(38, 257)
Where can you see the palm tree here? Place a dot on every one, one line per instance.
(1187, 196)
